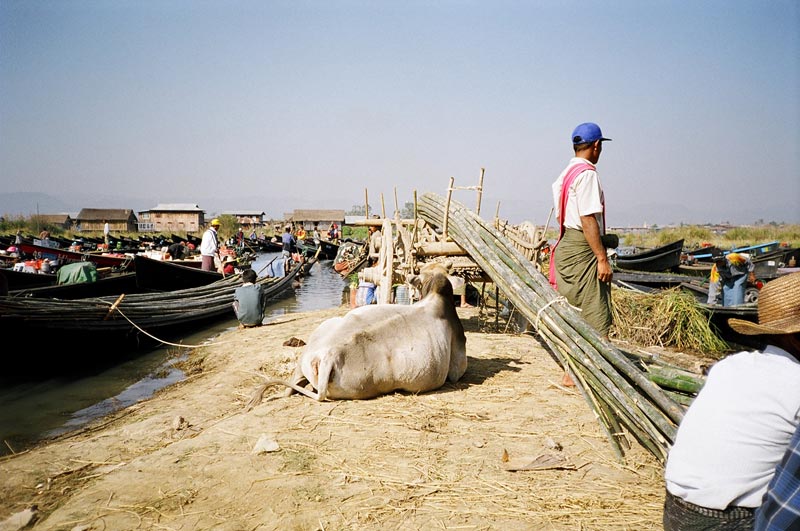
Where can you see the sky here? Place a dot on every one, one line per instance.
(281, 105)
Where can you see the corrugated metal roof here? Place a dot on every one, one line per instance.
(317, 215)
(248, 213)
(176, 207)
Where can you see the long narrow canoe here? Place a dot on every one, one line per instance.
(65, 255)
(664, 258)
(165, 275)
(119, 316)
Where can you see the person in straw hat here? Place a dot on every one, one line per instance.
(738, 427)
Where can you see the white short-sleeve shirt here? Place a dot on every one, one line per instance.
(584, 197)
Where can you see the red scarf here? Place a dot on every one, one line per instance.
(569, 178)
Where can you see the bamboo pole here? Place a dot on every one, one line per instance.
(480, 192)
(620, 393)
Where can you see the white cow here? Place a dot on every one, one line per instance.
(377, 349)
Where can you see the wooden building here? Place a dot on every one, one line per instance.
(94, 219)
(309, 218)
(173, 217)
(248, 219)
(63, 221)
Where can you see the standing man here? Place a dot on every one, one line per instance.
(375, 240)
(579, 266)
(209, 246)
(106, 231)
(287, 242)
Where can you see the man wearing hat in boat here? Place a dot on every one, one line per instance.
(209, 247)
(739, 426)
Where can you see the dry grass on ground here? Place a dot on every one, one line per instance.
(184, 459)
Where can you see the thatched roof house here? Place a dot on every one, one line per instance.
(63, 221)
(119, 219)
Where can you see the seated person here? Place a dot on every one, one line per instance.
(738, 427)
(248, 301)
(227, 268)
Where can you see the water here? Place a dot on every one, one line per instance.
(34, 409)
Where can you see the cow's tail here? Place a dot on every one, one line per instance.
(258, 394)
(324, 374)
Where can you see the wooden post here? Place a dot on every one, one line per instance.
(447, 207)
(383, 207)
(396, 206)
(480, 192)
(113, 307)
(366, 204)
(416, 222)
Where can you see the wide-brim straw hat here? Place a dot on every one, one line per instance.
(778, 309)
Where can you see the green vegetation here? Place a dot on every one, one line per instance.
(671, 318)
(696, 236)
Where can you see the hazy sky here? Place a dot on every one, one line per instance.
(278, 105)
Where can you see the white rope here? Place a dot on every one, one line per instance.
(183, 345)
(560, 298)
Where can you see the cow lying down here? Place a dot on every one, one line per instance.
(377, 349)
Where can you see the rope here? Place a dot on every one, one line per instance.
(148, 334)
(560, 298)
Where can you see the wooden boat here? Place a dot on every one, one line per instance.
(350, 258)
(113, 284)
(328, 249)
(655, 280)
(166, 275)
(755, 251)
(24, 279)
(119, 261)
(126, 315)
(664, 258)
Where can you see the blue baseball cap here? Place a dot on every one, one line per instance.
(587, 132)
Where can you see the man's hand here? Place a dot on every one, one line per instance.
(591, 231)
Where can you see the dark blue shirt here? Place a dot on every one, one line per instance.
(780, 508)
(287, 240)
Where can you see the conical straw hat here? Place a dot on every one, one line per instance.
(778, 309)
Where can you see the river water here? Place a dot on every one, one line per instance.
(36, 409)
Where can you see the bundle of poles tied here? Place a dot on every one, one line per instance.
(622, 397)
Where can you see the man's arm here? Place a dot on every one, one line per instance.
(591, 231)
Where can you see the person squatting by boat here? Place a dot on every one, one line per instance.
(248, 301)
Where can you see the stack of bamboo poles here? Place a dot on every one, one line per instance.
(621, 395)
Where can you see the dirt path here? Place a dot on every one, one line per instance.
(184, 459)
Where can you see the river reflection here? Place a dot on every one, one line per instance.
(34, 409)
